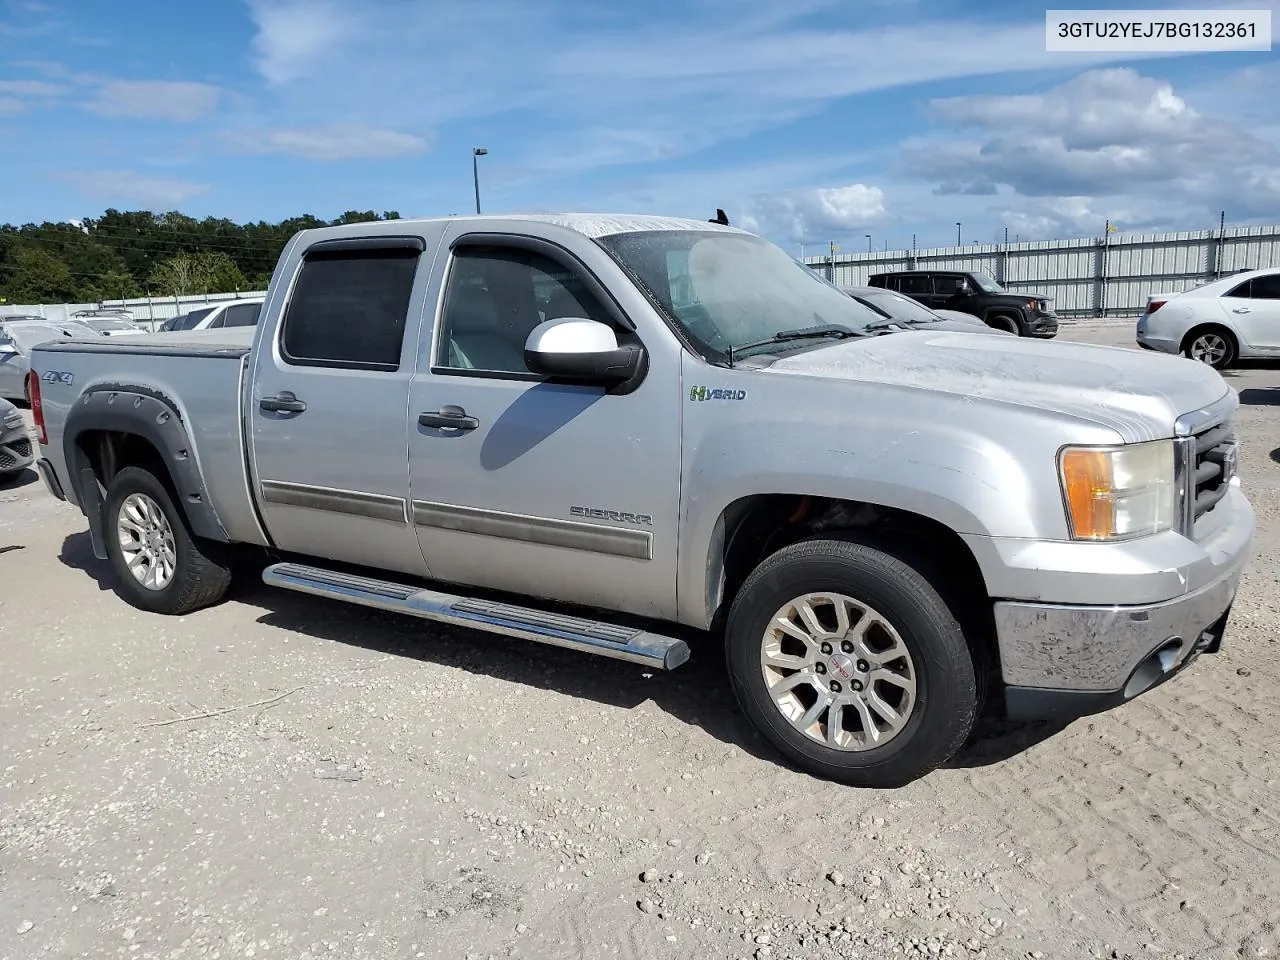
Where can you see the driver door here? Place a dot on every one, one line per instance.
(561, 491)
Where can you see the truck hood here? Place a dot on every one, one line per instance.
(1139, 395)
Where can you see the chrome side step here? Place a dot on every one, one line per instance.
(574, 633)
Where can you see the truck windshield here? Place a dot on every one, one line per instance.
(987, 284)
(730, 289)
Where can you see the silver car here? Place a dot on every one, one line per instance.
(17, 337)
(907, 312)
(16, 452)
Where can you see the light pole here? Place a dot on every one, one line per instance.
(476, 153)
(868, 243)
(957, 233)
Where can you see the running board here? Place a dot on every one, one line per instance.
(558, 630)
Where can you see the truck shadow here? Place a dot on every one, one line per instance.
(16, 481)
(696, 694)
(1260, 396)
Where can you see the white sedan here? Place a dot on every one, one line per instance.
(1234, 318)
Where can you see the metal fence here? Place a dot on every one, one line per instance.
(1109, 277)
(150, 312)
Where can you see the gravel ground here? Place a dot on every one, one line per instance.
(288, 777)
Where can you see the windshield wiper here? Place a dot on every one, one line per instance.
(835, 330)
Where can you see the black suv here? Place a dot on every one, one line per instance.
(975, 293)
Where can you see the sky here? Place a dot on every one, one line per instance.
(808, 121)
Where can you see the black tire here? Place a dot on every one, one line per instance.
(1192, 340)
(202, 573)
(1002, 321)
(947, 686)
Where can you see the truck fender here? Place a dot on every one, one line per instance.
(147, 413)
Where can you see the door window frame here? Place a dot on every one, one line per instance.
(624, 327)
(352, 245)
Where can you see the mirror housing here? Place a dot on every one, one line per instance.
(7, 348)
(574, 348)
(965, 289)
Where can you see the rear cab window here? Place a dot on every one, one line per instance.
(349, 308)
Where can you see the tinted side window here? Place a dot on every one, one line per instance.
(241, 315)
(1240, 290)
(913, 285)
(1266, 288)
(349, 308)
(946, 284)
(494, 299)
(218, 321)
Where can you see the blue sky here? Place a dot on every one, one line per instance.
(807, 120)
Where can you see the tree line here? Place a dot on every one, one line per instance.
(138, 253)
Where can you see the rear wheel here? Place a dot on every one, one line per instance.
(851, 664)
(159, 565)
(1215, 346)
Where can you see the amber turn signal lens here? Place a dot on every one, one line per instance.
(1089, 485)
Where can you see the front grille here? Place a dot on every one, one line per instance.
(22, 448)
(1208, 463)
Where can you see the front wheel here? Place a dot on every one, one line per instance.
(159, 565)
(851, 664)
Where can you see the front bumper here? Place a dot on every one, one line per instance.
(1043, 325)
(17, 452)
(1072, 659)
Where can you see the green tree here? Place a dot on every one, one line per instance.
(197, 273)
(39, 277)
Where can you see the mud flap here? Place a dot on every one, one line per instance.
(91, 503)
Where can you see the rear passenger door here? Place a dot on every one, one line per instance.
(328, 401)
(946, 292)
(917, 287)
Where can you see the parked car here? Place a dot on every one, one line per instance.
(903, 310)
(17, 339)
(1233, 318)
(232, 313)
(620, 434)
(975, 293)
(16, 449)
(114, 326)
(103, 313)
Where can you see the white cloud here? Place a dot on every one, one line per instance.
(31, 88)
(295, 36)
(333, 142)
(616, 91)
(810, 216)
(1108, 143)
(154, 100)
(129, 186)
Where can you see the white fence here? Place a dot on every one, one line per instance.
(150, 312)
(1085, 278)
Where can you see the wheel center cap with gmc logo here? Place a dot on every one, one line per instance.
(841, 666)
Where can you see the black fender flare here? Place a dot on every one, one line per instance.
(147, 413)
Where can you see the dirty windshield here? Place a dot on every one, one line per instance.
(727, 290)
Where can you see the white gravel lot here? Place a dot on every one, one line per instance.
(288, 777)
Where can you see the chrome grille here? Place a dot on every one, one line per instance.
(1207, 462)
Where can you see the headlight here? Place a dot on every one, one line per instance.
(13, 420)
(1116, 493)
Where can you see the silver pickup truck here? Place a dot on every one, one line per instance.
(624, 435)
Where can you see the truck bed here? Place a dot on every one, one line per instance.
(200, 374)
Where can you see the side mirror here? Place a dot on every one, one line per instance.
(964, 289)
(576, 349)
(8, 348)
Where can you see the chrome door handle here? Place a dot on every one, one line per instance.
(282, 402)
(448, 417)
(1239, 309)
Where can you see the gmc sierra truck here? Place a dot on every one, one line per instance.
(626, 435)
